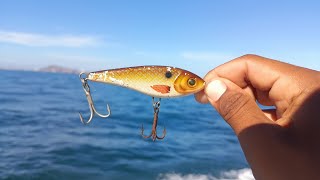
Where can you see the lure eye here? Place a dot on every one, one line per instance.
(191, 82)
(168, 74)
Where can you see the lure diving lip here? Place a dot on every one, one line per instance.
(155, 81)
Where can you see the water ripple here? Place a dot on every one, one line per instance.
(41, 136)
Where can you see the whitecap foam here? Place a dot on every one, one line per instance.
(240, 174)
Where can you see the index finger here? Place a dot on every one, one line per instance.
(253, 70)
(255, 73)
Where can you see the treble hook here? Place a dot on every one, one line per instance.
(93, 110)
(156, 108)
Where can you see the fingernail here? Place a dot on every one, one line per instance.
(215, 89)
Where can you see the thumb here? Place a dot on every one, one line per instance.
(236, 106)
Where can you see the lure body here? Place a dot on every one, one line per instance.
(155, 81)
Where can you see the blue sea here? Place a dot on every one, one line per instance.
(41, 136)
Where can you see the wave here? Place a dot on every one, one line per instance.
(240, 174)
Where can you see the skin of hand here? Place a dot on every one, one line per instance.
(280, 143)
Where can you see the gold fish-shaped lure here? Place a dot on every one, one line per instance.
(155, 81)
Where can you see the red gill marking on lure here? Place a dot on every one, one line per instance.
(163, 89)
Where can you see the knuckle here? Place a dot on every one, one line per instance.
(231, 105)
(249, 60)
(249, 56)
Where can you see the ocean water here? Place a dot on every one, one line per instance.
(41, 136)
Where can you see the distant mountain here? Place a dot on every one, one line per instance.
(58, 69)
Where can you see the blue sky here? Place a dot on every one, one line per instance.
(195, 35)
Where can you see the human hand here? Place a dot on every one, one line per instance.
(283, 143)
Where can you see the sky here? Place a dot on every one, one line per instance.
(194, 35)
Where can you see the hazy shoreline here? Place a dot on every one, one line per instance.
(49, 69)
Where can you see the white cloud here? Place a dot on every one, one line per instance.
(141, 53)
(83, 62)
(32, 39)
(207, 56)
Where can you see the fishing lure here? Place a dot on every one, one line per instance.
(155, 81)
